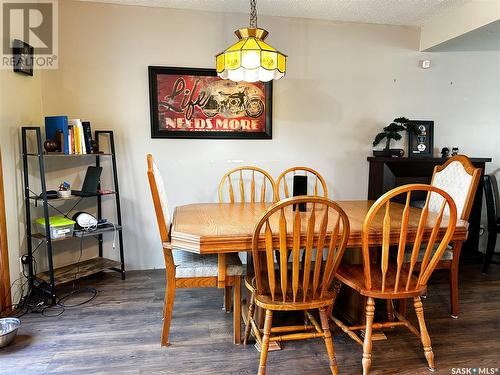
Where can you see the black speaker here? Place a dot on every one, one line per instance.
(300, 188)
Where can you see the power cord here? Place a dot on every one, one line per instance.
(61, 302)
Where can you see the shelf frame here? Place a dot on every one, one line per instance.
(50, 274)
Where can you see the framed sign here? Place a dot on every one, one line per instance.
(23, 57)
(195, 103)
(422, 143)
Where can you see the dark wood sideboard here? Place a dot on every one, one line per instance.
(387, 173)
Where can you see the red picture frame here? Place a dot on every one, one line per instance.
(195, 103)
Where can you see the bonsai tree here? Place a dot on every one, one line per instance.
(392, 131)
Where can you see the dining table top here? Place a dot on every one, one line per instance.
(212, 228)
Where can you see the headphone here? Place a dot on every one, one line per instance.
(85, 221)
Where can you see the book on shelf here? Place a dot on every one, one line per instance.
(79, 140)
(55, 123)
(87, 136)
(71, 138)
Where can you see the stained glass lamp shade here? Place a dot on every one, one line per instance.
(251, 59)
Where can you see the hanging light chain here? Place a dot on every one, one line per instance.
(253, 13)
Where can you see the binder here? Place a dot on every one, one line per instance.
(87, 136)
(54, 123)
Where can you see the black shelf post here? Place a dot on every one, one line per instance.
(48, 241)
(117, 197)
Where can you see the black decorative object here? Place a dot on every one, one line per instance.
(421, 142)
(94, 145)
(454, 151)
(445, 152)
(50, 145)
(391, 132)
(23, 57)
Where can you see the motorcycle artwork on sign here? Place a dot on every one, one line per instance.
(195, 103)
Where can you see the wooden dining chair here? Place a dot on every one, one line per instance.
(492, 199)
(246, 184)
(318, 185)
(381, 277)
(296, 285)
(459, 178)
(188, 270)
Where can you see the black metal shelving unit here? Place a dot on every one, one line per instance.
(49, 280)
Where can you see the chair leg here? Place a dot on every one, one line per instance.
(168, 307)
(402, 307)
(227, 298)
(426, 341)
(327, 336)
(455, 309)
(367, 343)
(265, 342)
(390, 310)
(248, 326)
(237, 311)
(490, 249)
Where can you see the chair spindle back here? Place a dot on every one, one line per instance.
(492, 199)
(261, 185)
(283, 190)
(323, 226)
(395, 223)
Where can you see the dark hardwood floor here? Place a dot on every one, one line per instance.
(119, 333)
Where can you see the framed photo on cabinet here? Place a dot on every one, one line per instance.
(422, 143)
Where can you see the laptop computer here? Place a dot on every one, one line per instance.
(90, 183)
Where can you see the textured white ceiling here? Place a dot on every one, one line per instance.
(393, 12)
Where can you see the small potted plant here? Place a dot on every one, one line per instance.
(392, 132)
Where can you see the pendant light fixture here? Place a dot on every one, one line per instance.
(251, 59)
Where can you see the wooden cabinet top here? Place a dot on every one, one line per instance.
(419, 160)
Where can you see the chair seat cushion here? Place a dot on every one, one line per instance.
(195, 265)
(447, 255)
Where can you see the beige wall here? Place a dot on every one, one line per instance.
(345, 81)
(20, 104)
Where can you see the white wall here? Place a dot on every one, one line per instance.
(20, 104)
(345, 81)
(457, 21)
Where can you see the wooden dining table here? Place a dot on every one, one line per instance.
(222, 228)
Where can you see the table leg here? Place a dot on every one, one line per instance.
(221, 274)
(237, 311)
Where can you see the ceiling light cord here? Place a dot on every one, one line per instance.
(253, 14)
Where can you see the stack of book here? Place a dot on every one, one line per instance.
(73, 136)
